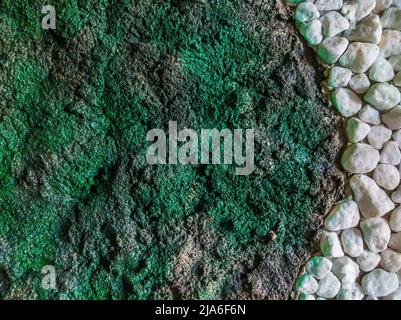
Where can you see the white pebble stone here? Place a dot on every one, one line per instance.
(312, 31)
(382, 5)
(372, 201)
(360, 158)
(338, 77)
(386, 176)
(390, 153)
(352, 292)
(390, 260)
(360, 83)
(399, 276)
(396, 295)
(328, 5)
(369, 114)
(318, 266)
(357, 130)
(379, 283)
(329, 286)
(330, 245)
(306, 284)
(392, 118)
(378, 136)
(395, 220)
(390, 43)
(397, 3)
(376, 233)
(368, 30)
(344, 215)
(371, 298)
(359, 56)
(395, 241)
(305, 12)
(352, 242)
(381, 71)
(397, 79)
(304, 296)
(368, 260)
(356, 10)
(383, 96)
(330, 49)
(333, 24)
(346, 270)
(346, 102)
(396, 196)
(395, 62)
(391, 19)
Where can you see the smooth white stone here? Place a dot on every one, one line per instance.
(395, 62)
(383, 96)
(359, 56)
(346, 102)
(390, 260)
(378, 136)
(312, 31)
(360, 158)
(339, 77)
(395, 220)
(369, 115)
(318, 266)
(328, 5)
(391, 19)
(344, 215)
(392, 118)
(368, 260)
(356, 10)
(396, 196)
(360, 83)
(381, 70)
(346, 270)
(379, 283)
(330, 245)
(352, 242)
(305, 12)
(368, 30)
(357, 130)
(376, 233)
(306, 284)
(352, 292)
(386, 176)
(333, 24)
(390, 43)
(330, 49)
(390, 153)
(395, 241)
(372, 201)
(329, 286)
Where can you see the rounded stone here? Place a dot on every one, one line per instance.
(381, 70)
(346, 102)
(386, 176)
(306, 284)
(371, 200)
(392, 118)
(378, 136)
(360, 158)
(390, 153)
(395, 220)
(318, 266)
(344, 215)
(333, 24)
(352, 242)
(346, 270)
(330, 245)
(352, 292)
(331, 49)
(390, 260)
(359, 56)
(383, 96)
(329, 286)
(369, 115)
(379, 283)
(368, 260)
(357, 130)
(376, 233)
(305, 12)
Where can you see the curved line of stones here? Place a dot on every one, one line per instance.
(359, 42)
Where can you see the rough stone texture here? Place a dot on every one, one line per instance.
(76, 192)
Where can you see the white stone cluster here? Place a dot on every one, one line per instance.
(359, 42)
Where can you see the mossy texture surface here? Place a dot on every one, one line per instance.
(75, 189)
